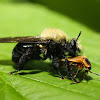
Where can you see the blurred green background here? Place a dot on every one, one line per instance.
(85, 12)
(30, 18)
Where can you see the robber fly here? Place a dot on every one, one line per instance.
(52, 43)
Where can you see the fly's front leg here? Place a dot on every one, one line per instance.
(71, 74)
(69, 71)
(56, 64)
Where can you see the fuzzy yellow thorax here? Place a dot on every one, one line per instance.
(54, 34)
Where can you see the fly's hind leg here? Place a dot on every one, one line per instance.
(20, 64)
(22, 60)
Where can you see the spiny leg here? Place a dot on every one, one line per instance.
(66, 64)
(69, 71)
(20, 64)
(22, 61)
(56, 64)
(14, 71)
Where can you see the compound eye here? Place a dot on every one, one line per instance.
(73, 43)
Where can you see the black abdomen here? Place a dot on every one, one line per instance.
(32, 51)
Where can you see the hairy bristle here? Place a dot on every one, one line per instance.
(79, 45)
(56, 35)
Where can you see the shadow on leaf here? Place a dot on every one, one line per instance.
(34, 67)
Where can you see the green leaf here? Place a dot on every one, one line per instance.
(38, 82)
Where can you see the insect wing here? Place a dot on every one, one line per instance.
(29, 39)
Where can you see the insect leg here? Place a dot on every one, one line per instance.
(22, 60)
(76, 73)
(69, 71)
(84, 76)
(56, 64)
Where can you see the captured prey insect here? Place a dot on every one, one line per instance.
(80, 62)
(52, 43)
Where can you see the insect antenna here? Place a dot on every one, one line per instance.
(94, 73)
(78, 36)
